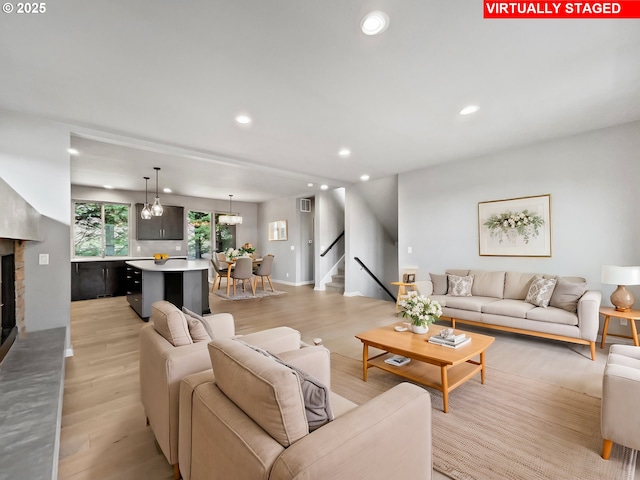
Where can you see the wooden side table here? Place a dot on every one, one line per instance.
(631, 315)
(402, 291)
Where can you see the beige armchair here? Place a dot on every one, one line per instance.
(163, 365)
(248, 422)
(620, 419)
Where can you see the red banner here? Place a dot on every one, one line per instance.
(562, 9)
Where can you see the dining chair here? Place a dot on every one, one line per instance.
(243, 271)
(222, 260)
(219, 272)
(264, 270)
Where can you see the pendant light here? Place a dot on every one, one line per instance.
(146, 211)
(156, 208)
(230, 219)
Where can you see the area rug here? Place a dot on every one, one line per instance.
(240, 295)
(511, 427)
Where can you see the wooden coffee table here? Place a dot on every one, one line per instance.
(456, 364)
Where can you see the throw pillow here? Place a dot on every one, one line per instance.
(170, 322)
(189, 314)
(315, 394)
(197, 330)
(460, 286)
(540, 291)
(566, 294)
(439, 284)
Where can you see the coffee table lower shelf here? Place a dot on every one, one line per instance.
(442, 378)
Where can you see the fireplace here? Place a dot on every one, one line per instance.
(11, 291)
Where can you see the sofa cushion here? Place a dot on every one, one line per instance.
(439, 283)
(473, 304)
(508, 307)
(170, 322)
(267, 392)
(516, 284)
(460, 286)
(487, 284)
(566, 294)
(540, 291)
(317, 403)
(460, 273)
(552, 315)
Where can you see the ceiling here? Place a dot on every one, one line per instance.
(150, 83)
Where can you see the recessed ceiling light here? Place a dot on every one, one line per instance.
(374, 23)
(73, 151)
(324, 187)
(469, 109)
(309, 184)
(364, 177)
(166, 190)
(243, 119)
(108, 187)
(344, 152)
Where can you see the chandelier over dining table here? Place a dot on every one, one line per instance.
(231, 218)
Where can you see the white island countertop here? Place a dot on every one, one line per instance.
(171, 265)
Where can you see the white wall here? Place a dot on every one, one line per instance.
(329, 223)
(285, 265)
(593, 181)
(35, 163)
(367, 239)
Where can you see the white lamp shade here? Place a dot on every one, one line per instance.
(613, 275)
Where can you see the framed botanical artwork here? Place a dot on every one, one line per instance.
(516, 227)
(278, 230)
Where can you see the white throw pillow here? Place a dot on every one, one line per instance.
(540, 291)
(460, 286)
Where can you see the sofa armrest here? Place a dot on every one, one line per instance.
(162, 367)
(316, 361)
(221, 325)
(187, 388)
(274, 340)
(387, 437)
(589, 315)
(424, 287)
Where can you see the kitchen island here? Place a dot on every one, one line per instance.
(181, 282)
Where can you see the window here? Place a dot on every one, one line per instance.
(101, 230)
(225, 235)
(198, 233)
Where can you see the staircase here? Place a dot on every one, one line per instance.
(337, 281)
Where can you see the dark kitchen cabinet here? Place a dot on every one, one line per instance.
(169, 226)
(97, 279)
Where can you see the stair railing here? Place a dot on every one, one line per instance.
(366, 269)
(333, 244)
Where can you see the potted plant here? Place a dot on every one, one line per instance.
(421, 310)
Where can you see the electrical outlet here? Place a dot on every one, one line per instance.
(43, 259)
(287, 274)
(177, 248)
(409, 249)
(293, 247)
(623, 322)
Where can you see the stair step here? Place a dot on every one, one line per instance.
(337, 287)
(339, 278)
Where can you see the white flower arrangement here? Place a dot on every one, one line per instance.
(420, 309)
(523, 223)
(231, 253)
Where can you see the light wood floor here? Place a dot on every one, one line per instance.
(104, 435)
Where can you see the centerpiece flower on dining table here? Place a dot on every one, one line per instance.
(247, 249)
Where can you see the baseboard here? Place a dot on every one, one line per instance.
(68, 352)
(294, 284)
(353, 294)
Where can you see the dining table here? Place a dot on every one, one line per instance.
(230, 263)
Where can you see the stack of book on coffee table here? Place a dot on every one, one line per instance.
(451, 341)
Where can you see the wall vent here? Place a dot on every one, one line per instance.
(305, 205)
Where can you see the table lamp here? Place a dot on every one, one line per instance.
(621, 298)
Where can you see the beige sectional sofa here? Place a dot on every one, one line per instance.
(515, 302)
(245, 419)
(174, 345)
